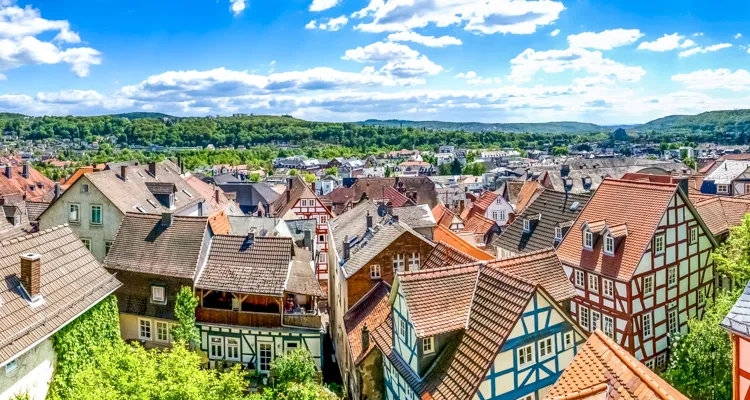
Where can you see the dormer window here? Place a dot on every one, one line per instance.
(588, 239)
(428, 345)
(609, 245)
(558, 233)
(526, 225)
(724, 189)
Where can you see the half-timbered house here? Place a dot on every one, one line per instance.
(639, 256)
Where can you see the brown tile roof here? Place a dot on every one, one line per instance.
(477, 223)
(722, 213)
(639, 205)
(71, 282)
(219, 223)
(483, 202)
(371, 310)
(443, 216)
(250, 266)
(302, 279)
(35, 208)
(529, 192)
(395, 197)
(443, 234)
(144, 245)
(36, 187)
(421, 187)
(602, 365)
(512, 190)
(445, 255)
(216, 199)
(541, 267)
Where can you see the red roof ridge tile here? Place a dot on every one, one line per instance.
(583, 393)
(443, 271)
(648, 184)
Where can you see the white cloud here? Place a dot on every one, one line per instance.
(402, 63)
(687, 43)
(478, 16)
(472, 78)
(698, 34)
(704, 50)
(321, 5)
(468, 75)
(429, 41)
(379, 52)
(666, 43)
(555, 32)
(605, 40)
(737, 36)
(237, 6)
(721, 78)
(528, 63)
(331, 24)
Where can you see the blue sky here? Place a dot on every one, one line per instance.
(605, 62)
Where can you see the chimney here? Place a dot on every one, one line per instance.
(394, 218)
(8, 171)
(179, 164)
(166, 219)
(365, 337)
(251, 235)
(25, 170)
(347, 248)
(683, 185)
(57, 191)
(564, 170)
(216, 195)
(124, 172)
(152, 168)
(31, 274)
(369, 220)
(200, 208)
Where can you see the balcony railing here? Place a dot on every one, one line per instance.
(303, 320)
(238, 318)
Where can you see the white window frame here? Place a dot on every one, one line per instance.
(216, 347)
(694, 235)
(77, 219)
(588, 239)
(260, 356)
(494, 216)
(322, 238)
(568, 340)
(648, 285)
(661, 360)
(145, 326)
(86, 243)
(580, 279)
(525, 356)
(659, 239)
(232, 348)
(609, 245)
(323, 218)
(526, 225)
(558, 233)
(608, 288)
(414, 262)
(722, 188)
(402, 327)
(546, 348)
(323, 257)
(161, 325)
(155, 299)
(593, 283)
(501, 216)
(584, 312)
(399, 263)
(11, 366)
(673, 322)
(428, 345)
(596, 320)
(649, 364)
(101, 214)
(288, 349)
(672, 276)
(608, 326)
(648, 333)
(375, 271)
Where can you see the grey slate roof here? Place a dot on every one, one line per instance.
(35, 208)
(738, 319)
(728, 171)
(415, 216)
(251, 195)
(302, 280)
(144, 245)
(71, 282)
(555, 209)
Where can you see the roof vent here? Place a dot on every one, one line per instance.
(574, 206)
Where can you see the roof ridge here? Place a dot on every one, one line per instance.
(32, 235)
(626, 182)
(449, 269)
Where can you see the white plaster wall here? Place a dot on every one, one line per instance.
(33, 374)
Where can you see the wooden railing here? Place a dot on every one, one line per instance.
(238, 318)
(302, 320)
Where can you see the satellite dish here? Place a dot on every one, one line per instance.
(382, 210)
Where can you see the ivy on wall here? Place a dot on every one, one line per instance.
(76, 343)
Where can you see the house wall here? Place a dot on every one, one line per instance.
(58, 214)
(741, 349)
(396, 387)
(32, 374)
(130, 329)
(738, 187)
(499, 208)
(310, 207)
(370, 377)
(506, 379)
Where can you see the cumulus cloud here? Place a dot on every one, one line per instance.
(529, 62)
(605, 40)
(380, 51)
(19, 45)
(237, 6)
(478, 16)
(555, 32)
(322, 5)
(704, 50)
(472, 78)
(666, 43)
(331, 24)
(429, 41)
(402, 63)
(721, 78)
(737, 36)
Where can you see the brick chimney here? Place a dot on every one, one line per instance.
(124, 172)
(25, 170)
(31, 264)
(369, 220)
(167, 218)
(152, 168)
(347, 248)
(8, 171)
(365, 337)
(216, 195)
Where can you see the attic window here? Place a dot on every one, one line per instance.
(722, 188)
(609, 245)
(526, 225)
(187, 193)
(588, 239)
(558, 233)
(140, 174)
(85, 188)
(428, 345)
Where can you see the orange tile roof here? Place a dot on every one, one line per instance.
(529, 192)
(722, 213)
(477, 223)
(443, 215)
(443, 234)
(444, 255)
(483, 202)
(371, 310)
(603, 365)
(73, 178)
(219, 223)
(639, 205)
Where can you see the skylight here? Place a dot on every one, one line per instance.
(574, 206)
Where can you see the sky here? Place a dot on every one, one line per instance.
(599, 61)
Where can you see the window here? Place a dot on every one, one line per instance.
(233, 349)
(525, 355)
(398, 262)
(584, 317)
(96, 215)
(86, 243)
(84, 188)
(596, 320)
(568, 340)
(672, 276)
(701, 297)
(501, 216)
(321, 238)
(216, 348)
(609, 326)
(648, 285)
(647, 326)
(722, 188)
(290, 346)
(593, 283)
(107, 247)
(402, 327)
(661, 360)
(428, 345)
(649, 364)
(11, 366)
(323, 219)
(558, 233)
(694, 234)
(494, 215)
(158, 294)
(414, 262)
(609, 245)
(144, 329)
(375, 271)
(608, 288)
(672, 322)
(74, 213)
(659, 244)
(580, 278)
(265, 353)
(545, 348)
(140, 209)
(588, 239)
(323, 258)
(526, 225)
(162, 331)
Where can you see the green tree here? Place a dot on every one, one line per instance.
(184, 311)
(732, 258)
(388, 171)
(332, 171)
(456, 167)
(560, 151)
(689, 162)
(255, 177)
(310, 177)
(444, 169)
(296, 366)
(620, 134)
(293, 172)
(700, 364)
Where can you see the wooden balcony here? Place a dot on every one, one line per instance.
(303, 320)
(238, 318)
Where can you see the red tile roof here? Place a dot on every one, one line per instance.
(444, 255)
(483, 202)
(722, 213)
(541, 267)
(36, 187)
(443, 215)
(529, 192)
(639, 205)
(477, 223)
(443, 234)
(219, 223)
(395, 197)
(602, 365)
(371, 311)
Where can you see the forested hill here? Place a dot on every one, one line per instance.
(138, 115)
(543, 127)
(726, 121)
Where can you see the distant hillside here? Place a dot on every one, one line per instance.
(11, 115)
(139, 115)
(543, 127)
(729, 121)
